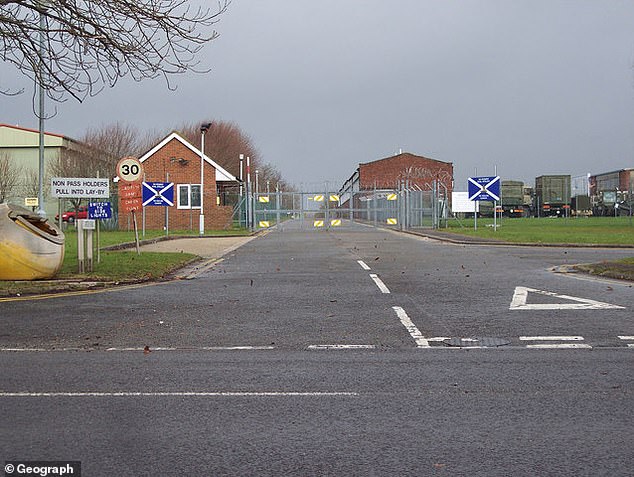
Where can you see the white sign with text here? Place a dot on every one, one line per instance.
(80, 188)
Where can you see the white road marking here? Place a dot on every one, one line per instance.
(414, 332)
(341, 346)
(521, 294)
(204, 348)
(363, 265)
(551, 338)
(379, 283)
(178, 394)
(628, 338)
(22, 349)
(560, 346)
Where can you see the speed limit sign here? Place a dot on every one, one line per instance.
(129, 169)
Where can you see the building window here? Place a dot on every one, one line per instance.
(188, 196)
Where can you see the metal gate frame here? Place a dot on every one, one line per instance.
(403, 208)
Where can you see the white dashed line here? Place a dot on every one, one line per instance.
(340, 346)
(414, 332)
(628, 338)
(560, 346)
(379, 283)
(551, 338)
(363, 265)
(179, 394)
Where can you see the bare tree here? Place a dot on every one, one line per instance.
(109, 143)
(224, 142)
(271, 175)
(9, 176)
(30, 184)
(77, 47)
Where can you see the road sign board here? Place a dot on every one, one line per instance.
(130, 196)
(130, 169)
(99, 210)
(80, 187)
(484, 188)
(159, 194)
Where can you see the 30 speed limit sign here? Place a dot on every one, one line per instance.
(129, 169)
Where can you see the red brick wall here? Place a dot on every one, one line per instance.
(166, 160)
(387, 173)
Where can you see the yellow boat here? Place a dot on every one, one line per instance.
(31, 247)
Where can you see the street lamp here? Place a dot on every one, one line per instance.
(40, 178)
(201, 219)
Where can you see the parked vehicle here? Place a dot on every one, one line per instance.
(70, 216)
(512, 201)
(512, 198)
(610, 192)
(552, 196)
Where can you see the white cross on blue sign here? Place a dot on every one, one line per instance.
(158, 193)
(484, 188)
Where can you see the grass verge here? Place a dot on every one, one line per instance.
(115, 266)
(581, 230)
(619, 269)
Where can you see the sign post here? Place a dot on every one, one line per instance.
(81, 188)
(130, 172)
(485, 188)
(159, 194)
(98, 211)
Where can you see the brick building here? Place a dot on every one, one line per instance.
(175, 160)
(387, 173)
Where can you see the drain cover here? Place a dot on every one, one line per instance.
(476, 342)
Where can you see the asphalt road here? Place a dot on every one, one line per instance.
(345, 352)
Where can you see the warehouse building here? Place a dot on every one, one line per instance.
(402, 169)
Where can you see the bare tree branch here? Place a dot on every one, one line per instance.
(9, 176)
(91, 44)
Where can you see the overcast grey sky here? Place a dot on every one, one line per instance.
(532, 87)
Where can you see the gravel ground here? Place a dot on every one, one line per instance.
(206, 247)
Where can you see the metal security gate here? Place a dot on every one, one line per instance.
(392, 208)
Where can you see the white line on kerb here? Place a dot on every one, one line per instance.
(379, 283)
(179, 394)
(363, 265)
(626, 338)
(414, 332)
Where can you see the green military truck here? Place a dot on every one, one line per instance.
(552, 196)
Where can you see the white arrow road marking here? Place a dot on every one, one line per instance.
(521, 294)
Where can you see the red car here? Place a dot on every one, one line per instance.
(82, 213)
